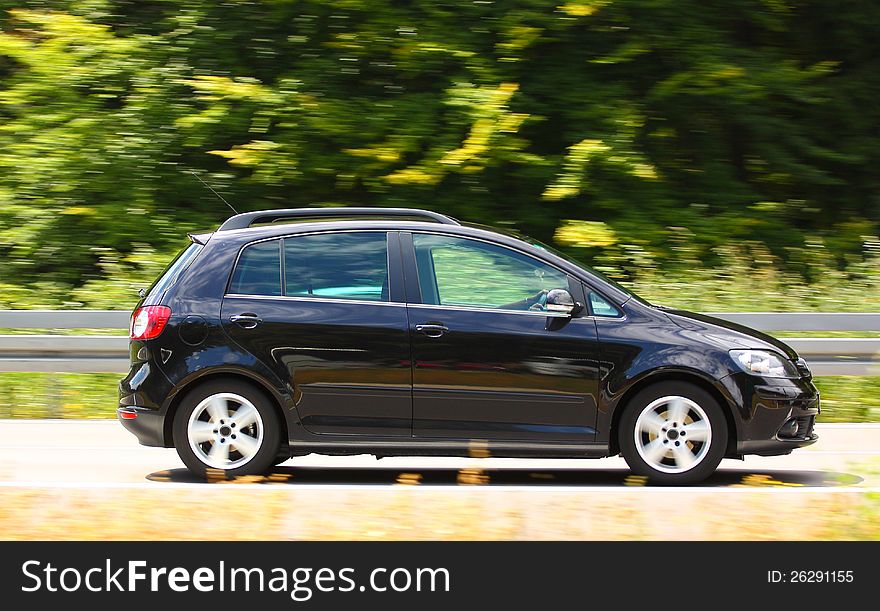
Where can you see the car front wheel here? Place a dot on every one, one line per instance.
(673, 433)
(226, 426)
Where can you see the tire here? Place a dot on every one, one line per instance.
(675, 433)
(227, 426)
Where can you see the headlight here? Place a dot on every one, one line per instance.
(764, 363)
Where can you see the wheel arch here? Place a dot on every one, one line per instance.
(227, 375)
(674, 376)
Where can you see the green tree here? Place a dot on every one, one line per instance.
(681, 126)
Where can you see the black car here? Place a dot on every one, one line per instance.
(405, 332)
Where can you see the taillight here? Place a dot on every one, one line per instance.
(147, 322)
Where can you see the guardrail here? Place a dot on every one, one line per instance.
(97, 354)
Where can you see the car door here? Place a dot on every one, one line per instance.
(325, 311)
(488, 362)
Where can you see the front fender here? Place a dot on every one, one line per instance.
(644, 348)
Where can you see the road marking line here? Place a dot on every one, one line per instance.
(113, 421)
(811, 452)
(806, 488)
(151, 451)
(98, 421)
(135, 448)
(847, 425)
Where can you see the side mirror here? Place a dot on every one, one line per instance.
(560, 300)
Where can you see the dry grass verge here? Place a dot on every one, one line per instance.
(413, 513)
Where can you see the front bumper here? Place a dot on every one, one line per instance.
(775, 446)
(776, 415)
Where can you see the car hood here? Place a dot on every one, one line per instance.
(729, 333)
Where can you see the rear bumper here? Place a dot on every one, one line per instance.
(145, 424)
(142, 397)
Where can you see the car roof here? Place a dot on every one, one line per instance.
(266, 224)
(290, 228)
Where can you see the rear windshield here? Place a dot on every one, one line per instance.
(172, 272)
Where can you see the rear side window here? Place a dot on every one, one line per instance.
(258, 271)
(337, 265)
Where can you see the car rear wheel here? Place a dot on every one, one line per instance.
(226, 426)
(673, 433)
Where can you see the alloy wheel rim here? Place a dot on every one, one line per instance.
(673, 434)
(225, 431)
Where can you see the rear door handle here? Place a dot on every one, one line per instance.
(247, 320)
(432, 330)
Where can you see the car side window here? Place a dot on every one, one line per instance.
(258, 271)
(469, 273)
(337, 265)
(599, 306)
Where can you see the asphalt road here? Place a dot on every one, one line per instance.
(100, 454)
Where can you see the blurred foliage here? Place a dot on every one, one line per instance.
(753, 280)
(93, 395)
(63, 332)
(849, 398)
(58, 395)
(645, 135)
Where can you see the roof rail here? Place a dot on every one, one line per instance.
(245, 220)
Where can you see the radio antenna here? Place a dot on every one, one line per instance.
(214, 192)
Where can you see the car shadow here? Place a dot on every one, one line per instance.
(363, 476)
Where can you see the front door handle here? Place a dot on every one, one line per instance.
(432, 330)
(246, 320)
